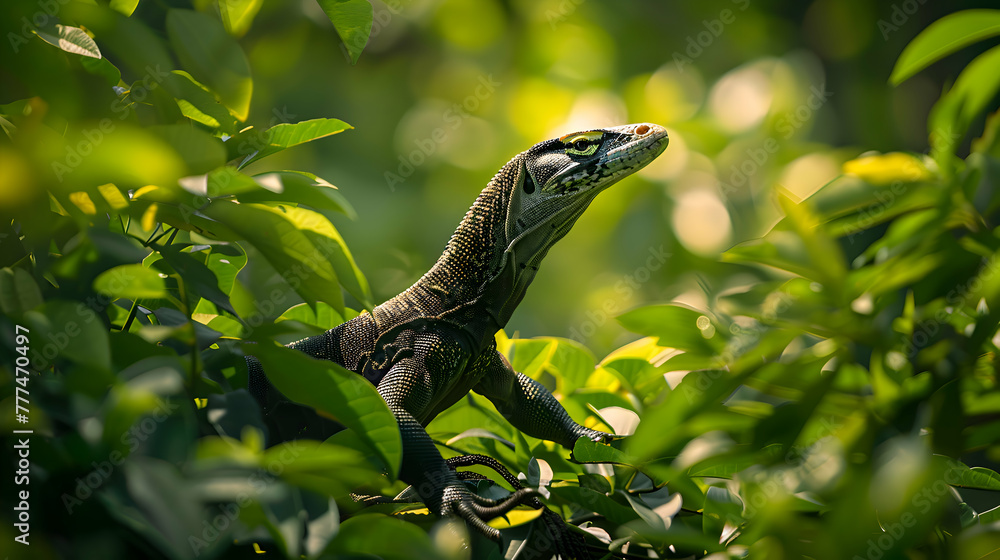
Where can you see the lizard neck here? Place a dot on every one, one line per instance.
(472, 284)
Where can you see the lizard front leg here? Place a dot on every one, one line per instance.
(530, 407)
(409, 389)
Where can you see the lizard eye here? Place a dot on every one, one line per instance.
(583, 144)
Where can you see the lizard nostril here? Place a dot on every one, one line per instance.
(642, 130)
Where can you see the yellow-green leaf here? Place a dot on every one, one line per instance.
(237, 15)
(353, 21)
(342, 394)
(944, 37)
(130, 281)
(286, 135)
(124, 7)
(213, 58)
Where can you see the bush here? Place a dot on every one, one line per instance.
(829, 408)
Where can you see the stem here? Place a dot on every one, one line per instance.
(131, 315)
(150, 240)
(166, 231)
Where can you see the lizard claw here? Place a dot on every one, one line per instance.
(477, 510)
(600, 437)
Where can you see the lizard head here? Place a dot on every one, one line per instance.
(558, 179)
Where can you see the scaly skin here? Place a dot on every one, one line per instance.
(429, 346)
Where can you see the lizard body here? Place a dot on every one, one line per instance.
(429, 346)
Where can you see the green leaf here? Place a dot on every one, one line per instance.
(201, 151)
(640, 377)
(226, 261)
(373, 535)
(324, 316)
(721, 507)
(975, 477)
(103, 68)
(587, 451)
(472, 411)
(142, 51)
(256, 145)
(331, 246)
(18, 292)
(944, 37)
(567, 361)
(131, 157)
(237, 15)
(70, 39)
(213, 58)
(222, 324)
(197, 102)
(140, 390)
(353, 21)
(130, 281)
(824, 255)
(280, 234)
(321, 529)
(290, 187)
(787, 422)
(124, 7)
(328, 469)
(974, 89)
(665, 427)
(990, 516)
(165, 510)
(967, 515)
(329, 388)
(74, 330)
(300, 187)
(196, 276)
(591, 500)
(675, 326)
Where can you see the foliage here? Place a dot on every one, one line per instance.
(831, 407)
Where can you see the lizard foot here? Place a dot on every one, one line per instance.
(476, 510)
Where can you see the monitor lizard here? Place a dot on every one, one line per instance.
(429, 346)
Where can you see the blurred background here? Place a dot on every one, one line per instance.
(755, 95)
